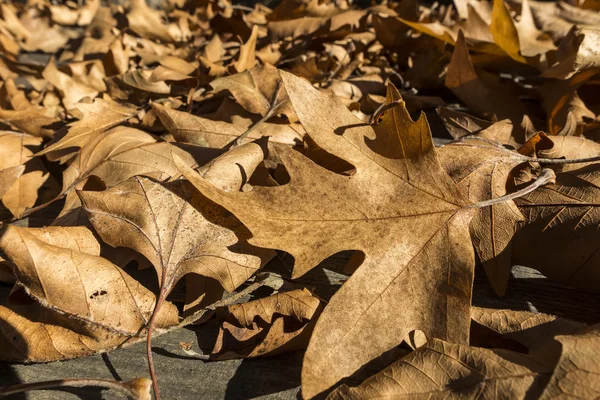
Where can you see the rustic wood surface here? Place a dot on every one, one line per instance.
(184, 377)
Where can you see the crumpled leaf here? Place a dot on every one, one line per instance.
(312, 221)
(264, 327)
(104, 297)
(578, 52)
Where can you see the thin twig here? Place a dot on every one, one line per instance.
(273, 108)
(241, 7)
(261, 280)
(547, 176)
(159, 301)
(117, 386)
(550, 161)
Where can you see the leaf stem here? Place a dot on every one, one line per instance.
(159, 302)
(261, 280)
(121, 387)
(549, 161)
(383, 108)
(547, 176)
(273, 107)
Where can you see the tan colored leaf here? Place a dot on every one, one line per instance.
(141, 80)
(482, 171)
(505, 32)
(320, 213)
(485, 101)
(247, 55)
(147, 22)
(71, 90)
(255, 90)
(579, 51)
(34, 334)
(560, 236)
(6, 274)
(561, 101)
(189, 128)
(272, 325)
(577, 374)
(451, 371)
(99, 293)
(536, 331)
(460, 124)
(32, 121)
(158, 222)
(162, 232)
(97, 117)
(120, 153)
(24, 176)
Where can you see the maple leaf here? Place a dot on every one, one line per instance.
(482, 170)
(399, 208)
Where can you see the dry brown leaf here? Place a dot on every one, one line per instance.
(561, 102)
(559, 237)
(21, 175)
(320, 213)
(32, 120)
(482, 171)
(468, 87)
(147, 22)
(71, 90)
(536, 331)
(577, 374)
(451, 371)
(97, 117)
(162, 232)
(255, 90)
(460, 124)
(273, 325)
(190, 128)
(521, 40)
(120, 153)
(578, 52)
(100, 294)
(30, 333)
(247, 56)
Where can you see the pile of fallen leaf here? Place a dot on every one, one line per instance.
(148, 151)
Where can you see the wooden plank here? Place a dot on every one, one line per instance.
(182, 377)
